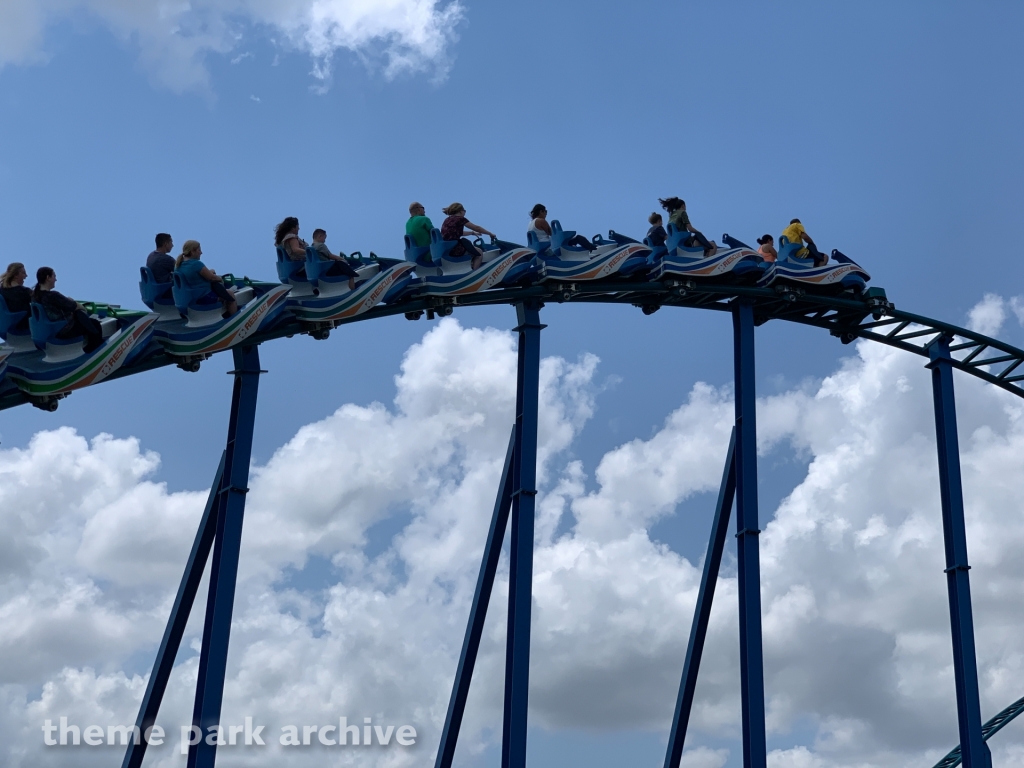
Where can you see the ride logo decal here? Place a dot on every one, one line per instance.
(254, 320)
(384, 282)
(116, 358)
(613, 263)
(727, 262)
(835, 274)
(491, 278)
(607, 267)
(499, 272)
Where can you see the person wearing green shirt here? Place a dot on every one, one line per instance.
(418, 226)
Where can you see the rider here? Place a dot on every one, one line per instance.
(766, 248)
(286, 237)
(656, 235)
(159, 262)
(340, 266)
(60, 307)
(540, 227)
(796, 233)
(192, 270)
(418, 226)
(12, 288)
(454, 228)
(677, 217)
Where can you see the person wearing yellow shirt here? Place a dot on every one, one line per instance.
(796, 233)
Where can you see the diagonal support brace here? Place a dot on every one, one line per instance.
(478, 613)
(702, 611)
(175, 630)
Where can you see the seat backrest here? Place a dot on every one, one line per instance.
(534, 244)
(657, 251)
(8, 319)
(41, 326)
(417, 254)
(440, 247)
(559, 235)
(676, 238)
(788, 251)
(150, 289)
(315, 267)
(286, 268)
(186, 294)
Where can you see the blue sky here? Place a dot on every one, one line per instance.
(891, 130)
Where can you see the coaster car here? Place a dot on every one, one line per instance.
(441, 274)
(326, 299)
(573, 263)
(735, 262)
(14, 329)
(4, 354)
(191, 324)
(58, 363)
(841, 274)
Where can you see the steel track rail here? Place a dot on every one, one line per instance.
(988, 730)
(870, 317)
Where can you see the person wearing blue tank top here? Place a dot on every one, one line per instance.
(194, 272)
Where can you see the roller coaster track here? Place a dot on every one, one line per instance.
(988, 730)
(871, 317)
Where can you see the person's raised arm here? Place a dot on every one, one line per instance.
(479, 230)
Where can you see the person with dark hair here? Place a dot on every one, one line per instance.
(193, 272)
(540, 227)
(679, 219)
(286, 237)
(418, 226)
(656, 235)
(340, 266)
(60, 307)
(766, 248)
(159, 262)
(796, 233)
(455, 226)
(16, 295)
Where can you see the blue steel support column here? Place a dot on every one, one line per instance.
(751, 660)
(524, 496)
(214, 655)
(702, 611)
(965, 666)
(477, 614)
(175, 630)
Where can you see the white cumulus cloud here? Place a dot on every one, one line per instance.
(174, 38)
(856, 627)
